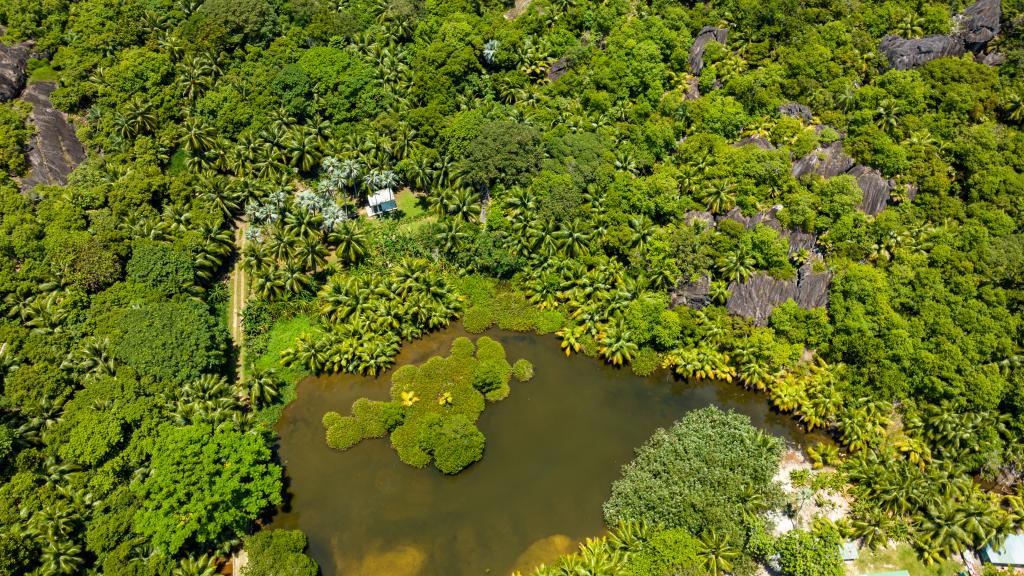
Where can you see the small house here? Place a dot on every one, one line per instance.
(380, 202)
(1009, 553)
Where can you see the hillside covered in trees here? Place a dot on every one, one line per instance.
(820, 200)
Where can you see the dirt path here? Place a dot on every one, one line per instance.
(239, 293)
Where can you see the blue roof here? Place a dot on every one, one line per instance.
(1009, 553)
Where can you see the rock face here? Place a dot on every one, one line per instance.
(696, 295)
(55, 149)
(832, 161)
(707, 34)
(758, 296)
(796, 111)
(979, 24)
(558, 69)
(826, 162)
(13, 60)
(758, 141)
(905, 54)
(975, 28)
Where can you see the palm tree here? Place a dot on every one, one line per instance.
(294, 279)
(61, 557)
(262, 387)
(452, 235)
(616, 344)
(350, 240)
(311, 254)
(720, 196)
(572, 239)
(716, 553)
(887, 115)
(303, 147)
(463, 203)
(268, 284)
(737, 265)
(199, 137)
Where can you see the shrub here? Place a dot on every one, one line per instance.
(549, 321)
(273, 552)
(809, 553)
(344, 433)
(477, 319)
(646, 361)
(377, 418)
(666, 552)
(456, 444)
(433, 407)
(694, 474)
(161, 266)
(522, 370)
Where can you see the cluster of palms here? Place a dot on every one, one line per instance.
(56, 529)
(212, 400)
(594, 297)
(367, 317)
(938, 507)
(287, 253)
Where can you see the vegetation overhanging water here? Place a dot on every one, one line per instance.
(554, 446)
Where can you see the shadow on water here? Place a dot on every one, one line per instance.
(554, 446)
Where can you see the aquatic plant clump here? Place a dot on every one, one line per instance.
(434, 406)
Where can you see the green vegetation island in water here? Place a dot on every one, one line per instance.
(434, 406)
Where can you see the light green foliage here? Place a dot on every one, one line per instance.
(695, 475)
(277, 552)
(434, 406)
(522, 370)
(204, 484)
(14, 137)
(803, 553)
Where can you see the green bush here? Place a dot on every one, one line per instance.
(344, 433)
(457, 443)
(549, 321)
(377, 418)
(646, 361)
(666, 552)
(802, 553)
(477, 319)
(274, 552)
(522, 370)
(694, 475)
(161, 266)
(433, 407)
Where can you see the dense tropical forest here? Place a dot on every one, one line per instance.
(821, 200)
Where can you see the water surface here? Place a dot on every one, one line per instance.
(554, 446)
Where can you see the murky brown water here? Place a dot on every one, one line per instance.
(554, 446)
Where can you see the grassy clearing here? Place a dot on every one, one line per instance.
(899, 557)
(282, 336)
(411, 205)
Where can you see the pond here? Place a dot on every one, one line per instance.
(554, 446)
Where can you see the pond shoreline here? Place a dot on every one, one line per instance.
(553, 448)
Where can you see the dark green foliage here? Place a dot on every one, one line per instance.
(161, 266)
(694, 475)
(275, 552)
(229, 24)
(504, 153)
(174, 341)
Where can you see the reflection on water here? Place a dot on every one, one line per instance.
(554, 446)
